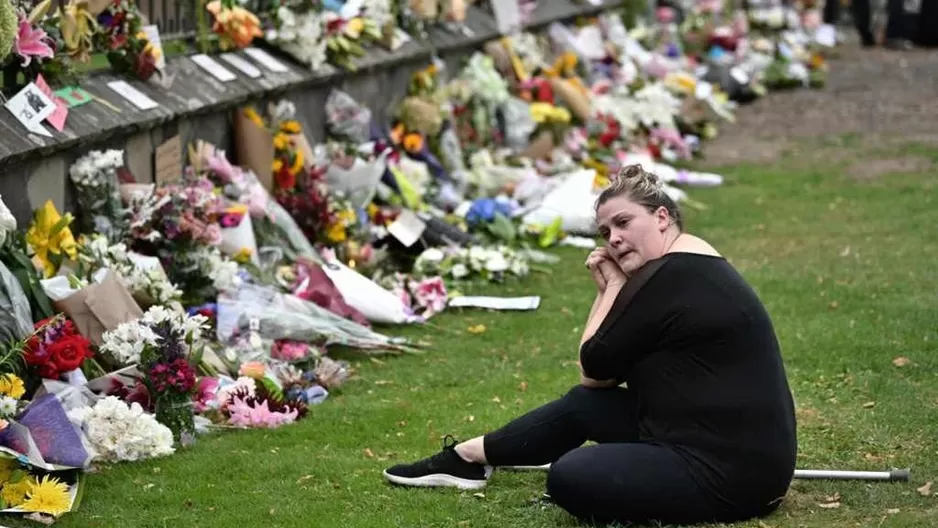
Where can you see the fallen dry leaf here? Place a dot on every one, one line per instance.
(303, 479)
(479, 495)
(869, 405)
(892, 511)
(368, 453)
(829, 505)
(925, 490)
(845, 252)
(901, 361)
(523, 386)
(833, 305)
(477, 329)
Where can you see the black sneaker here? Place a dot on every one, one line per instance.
(444, 469)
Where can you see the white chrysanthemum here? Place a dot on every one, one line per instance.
(7, 221)
(117, 432)
(128, 341)
(459, 271)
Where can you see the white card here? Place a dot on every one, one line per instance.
(826, 35)
(507, 16)
(266, 60)
(497, 303)
(739, 75)
(703, 90)
(138, 98)
(242, 65)
(212, 66)
(407, 228)
(30, 107)
(153, 35)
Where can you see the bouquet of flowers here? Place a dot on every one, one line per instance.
(118, 431)
(178, 224)
(346, 38)
(425, 297)
(235, 26)
(33, 493)
(56, 348)
(493, 264)
(95, 178)
(12, 389)
(300, 31)
(121, 37)
(255, 401)
(165, 346)
(51, 239)
(149, 285)
(34, 36)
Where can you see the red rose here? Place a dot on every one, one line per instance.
(68, 353)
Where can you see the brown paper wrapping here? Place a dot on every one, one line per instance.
(572, 98)
(502, 59)
(98, 308)
(540, 147)
(425, 9)
(255, 148)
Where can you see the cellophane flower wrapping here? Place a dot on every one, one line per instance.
(98, 191)
(347, 119)
(47, 428)
(280, 316)
(17, 322)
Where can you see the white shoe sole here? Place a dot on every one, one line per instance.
(439, 480)
(545, 467)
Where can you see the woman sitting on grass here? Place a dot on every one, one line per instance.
(704, 431)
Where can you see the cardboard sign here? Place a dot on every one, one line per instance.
(74, 96)
(168, 161)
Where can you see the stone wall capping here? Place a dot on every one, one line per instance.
(195, 92)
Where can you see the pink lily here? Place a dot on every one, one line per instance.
(31, 42)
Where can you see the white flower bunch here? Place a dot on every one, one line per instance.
(129, 340)
(7, 222)
(119, 432)
(9, 407)
(222, 271)
(492, 263)
(126, 343)
(378, 10)
(301, 35)
(96, 168)
(484, 80)
(149, 282)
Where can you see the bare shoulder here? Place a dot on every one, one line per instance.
(691, 244)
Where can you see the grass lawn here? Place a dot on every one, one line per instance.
(844, 266)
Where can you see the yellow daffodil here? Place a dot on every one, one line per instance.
(298, 162)
(281, 141)
(277, 165)
(11, 385)
(243, 256)
(336, 232)
(253, 117)
(546, 112)
(354, 27)
(49, 496)
(290, 127)
(50, 238)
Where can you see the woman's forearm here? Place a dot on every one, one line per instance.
(601, 307)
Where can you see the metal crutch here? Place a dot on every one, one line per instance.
(898, 475)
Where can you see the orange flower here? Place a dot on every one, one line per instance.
(236, 25)
(413, 142)
(397, 134)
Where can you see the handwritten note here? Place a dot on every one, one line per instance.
(168, 161)
(266, 60)
(57, 117)
(135, 96)
(213, 67)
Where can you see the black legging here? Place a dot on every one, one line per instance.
(896, 24)
(620, 480)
